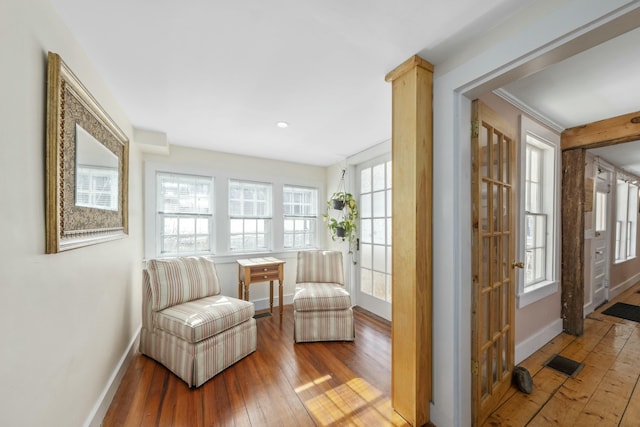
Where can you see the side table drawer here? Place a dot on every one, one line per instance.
(260, 274)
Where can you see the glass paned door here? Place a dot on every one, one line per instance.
(374, 263)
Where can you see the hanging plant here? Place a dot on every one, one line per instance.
(344, 226)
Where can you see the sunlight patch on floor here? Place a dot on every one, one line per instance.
(355, 403)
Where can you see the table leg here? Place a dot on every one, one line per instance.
(240, 296)
(280, 298)
(271, 296)
(246, 292)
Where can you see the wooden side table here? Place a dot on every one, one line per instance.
(257, 270)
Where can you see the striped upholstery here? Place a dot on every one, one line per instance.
(196, 320)
(324, 325)
(321, 305)
(320, 267)
(178, 280)
(321, 297)
(198, 338)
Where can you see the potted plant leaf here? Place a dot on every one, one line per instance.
(344, 225)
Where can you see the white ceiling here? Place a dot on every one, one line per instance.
(220, 74)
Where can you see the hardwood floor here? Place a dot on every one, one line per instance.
(321, 384)
(281, 384)
(605, 393)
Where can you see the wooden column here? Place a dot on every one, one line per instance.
(412, 142)
(573, 165)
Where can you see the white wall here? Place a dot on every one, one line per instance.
(505, 53)
(67, 318)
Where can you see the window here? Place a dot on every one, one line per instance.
(539, 248)
(250, 216)
(300, 211)
(626, 219)
(184, 214)
(535, 217)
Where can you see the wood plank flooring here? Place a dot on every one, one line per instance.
(281, 384)
(321, 384)
(605, 393)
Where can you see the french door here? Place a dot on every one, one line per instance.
(373, 292)
(493, 263)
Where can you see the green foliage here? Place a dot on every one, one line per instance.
(345, 222)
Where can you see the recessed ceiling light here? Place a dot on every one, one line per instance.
(282, 125)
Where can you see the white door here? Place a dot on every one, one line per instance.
(373, 292)
(600, 242)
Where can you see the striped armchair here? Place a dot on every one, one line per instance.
(187, 325)
(321, 305)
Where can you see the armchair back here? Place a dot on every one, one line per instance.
(177, 280)
(320, 267)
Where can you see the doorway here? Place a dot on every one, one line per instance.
(373, 291)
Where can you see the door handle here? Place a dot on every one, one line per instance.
(517, 264)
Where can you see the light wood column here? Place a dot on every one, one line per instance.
(412, 142)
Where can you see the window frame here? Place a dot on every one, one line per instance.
(549, 144)
(627, 215)
(311, 217)
(266, 217)
(221, 175)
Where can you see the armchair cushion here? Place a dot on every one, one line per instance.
(321, 297)
(194, 321)
(178, 280)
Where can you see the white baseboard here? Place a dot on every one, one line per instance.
(99, 410)
(614, 292)
(263, 303)
(532, 344)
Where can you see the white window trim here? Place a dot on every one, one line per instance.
(630, 211)
(221, 252)
(550, 286)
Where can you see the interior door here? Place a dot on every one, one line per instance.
(600, 241)
(374, 273)
(493, 252)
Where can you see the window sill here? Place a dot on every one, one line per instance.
(537, 292)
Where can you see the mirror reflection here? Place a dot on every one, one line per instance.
(96, 173)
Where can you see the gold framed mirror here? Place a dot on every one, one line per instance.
(87, 162)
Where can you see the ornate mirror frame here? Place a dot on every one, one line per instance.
(69, 103)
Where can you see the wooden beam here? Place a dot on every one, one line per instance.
(616, 130)
(573, 166)
(412, 161)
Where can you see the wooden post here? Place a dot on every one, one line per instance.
(412, 159)
(573, 165)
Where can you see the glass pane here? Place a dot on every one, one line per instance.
(187, 226)
(505, 344)
(379, 179)
(484, 310)
(484, 374)
(497, 309)
(365, 231)
(389, 259)
(506, 258)
(506, 208)
(484, 207)
(170, 225)
(379, 207)
(366, 255)
(506, 165)
(601, 211)
(495, 355)
(389, 203)
(202, 243)
(366, 284)
(389, 284)
(379, 288)
(365, 205)
(365, 180)
(505, 304)
(379, 261)
(389, 171)
(495, 260)
(202, 226)
(484, 264)
(186, 243)
(169, 244)
(497, 156)
(483, 152)
(379, 231)
(496, 207)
